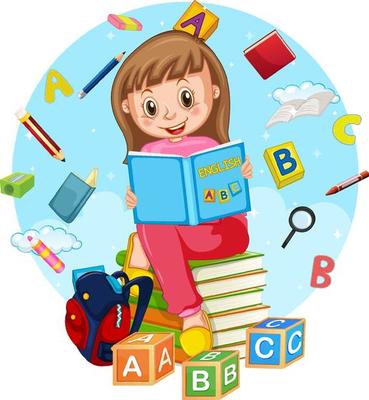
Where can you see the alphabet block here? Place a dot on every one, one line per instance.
(235, 188)
(198, 21)
(210, 375)
(209, 195)
(143, 358)
(284, 164)
(275, 343)
(223, 196)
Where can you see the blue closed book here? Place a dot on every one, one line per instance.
(177, 190)
(72, 196)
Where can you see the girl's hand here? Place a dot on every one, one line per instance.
(246, 169)
(131, 199)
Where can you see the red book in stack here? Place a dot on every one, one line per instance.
(269, 54)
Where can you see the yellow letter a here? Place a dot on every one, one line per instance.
(54, 81)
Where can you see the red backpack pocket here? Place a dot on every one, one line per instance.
(76, 324)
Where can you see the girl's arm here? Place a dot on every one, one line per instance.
(246, 169)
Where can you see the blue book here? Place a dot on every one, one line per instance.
(72, 195)
(190, 190)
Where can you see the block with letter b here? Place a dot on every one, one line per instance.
(198, 21)
(210, 375)
(284, 164)
(143, 358)
(275, 342)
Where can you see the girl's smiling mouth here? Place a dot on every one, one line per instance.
(177, 129)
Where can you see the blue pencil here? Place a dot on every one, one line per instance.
(101, 75)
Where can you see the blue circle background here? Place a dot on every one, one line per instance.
(88, 134)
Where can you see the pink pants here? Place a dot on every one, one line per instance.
(169, 247)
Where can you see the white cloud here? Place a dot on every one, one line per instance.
(57, 239)
(302, 92)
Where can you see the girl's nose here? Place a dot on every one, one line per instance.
(168, 114)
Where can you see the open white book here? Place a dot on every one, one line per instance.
(314, 105)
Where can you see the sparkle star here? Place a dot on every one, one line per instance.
(110, 35)
(162, 23)
(337, 234)
(249, 35)
(261, 172)
(268, 242)
(254, 213)
(231, 64)
(110, 176)
(266, 136)
(334, 113)
(28, 135)
(317, 153)
(32, 169)
(93, 130)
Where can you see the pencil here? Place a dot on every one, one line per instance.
(46, 254)
(39, 133)
(101, 75)
(347, 183)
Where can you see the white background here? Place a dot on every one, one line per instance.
(37, 360)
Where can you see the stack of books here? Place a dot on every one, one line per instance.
(231, 289)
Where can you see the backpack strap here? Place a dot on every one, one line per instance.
(145, 286)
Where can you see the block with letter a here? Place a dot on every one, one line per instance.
(198, 21)
(143, 358)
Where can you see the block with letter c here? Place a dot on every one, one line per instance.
(275, 343)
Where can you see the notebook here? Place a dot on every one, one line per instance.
(73, 195)
(269, 55)
(190, 190)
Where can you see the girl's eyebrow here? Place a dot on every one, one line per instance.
(146, 90)
(182, 79)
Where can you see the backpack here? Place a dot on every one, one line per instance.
(98, 315)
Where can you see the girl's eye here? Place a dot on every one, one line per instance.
(186, 98)
(150, 107)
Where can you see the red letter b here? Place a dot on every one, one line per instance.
(322, 271)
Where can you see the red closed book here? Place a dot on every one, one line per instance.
(269, 54)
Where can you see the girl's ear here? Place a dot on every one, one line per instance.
(125, 106)
(216, 91)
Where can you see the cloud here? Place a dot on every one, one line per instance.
(57, 239)
(302, 92)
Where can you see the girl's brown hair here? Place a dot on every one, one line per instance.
(169, 55)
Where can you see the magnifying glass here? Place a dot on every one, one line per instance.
(301, 219)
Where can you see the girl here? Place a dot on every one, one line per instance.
(171, 96)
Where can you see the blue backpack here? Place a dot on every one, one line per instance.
(98, 315)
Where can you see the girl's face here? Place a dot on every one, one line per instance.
(173, 108)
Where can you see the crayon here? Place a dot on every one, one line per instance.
(101, 75)
(46, 254)
(347, 183)
(39, 133)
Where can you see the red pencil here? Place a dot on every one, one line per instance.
(39, 133)
(347, 183)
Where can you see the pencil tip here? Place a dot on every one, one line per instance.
(63, 160)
